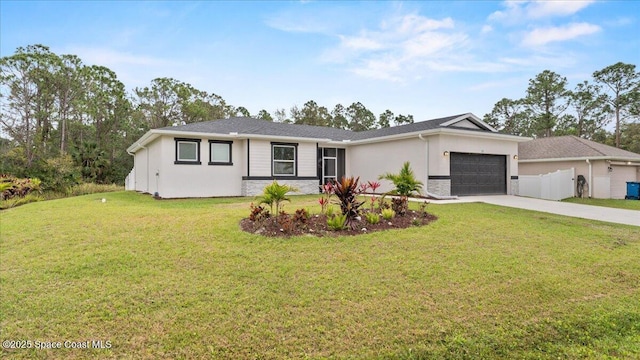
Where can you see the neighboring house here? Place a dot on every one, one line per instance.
(606, 169)
(456, 155)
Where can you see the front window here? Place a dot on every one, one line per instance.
(187, 151)
(284, 160)
(220, 152)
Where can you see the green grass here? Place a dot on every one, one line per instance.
(179, 279)
(613, 203)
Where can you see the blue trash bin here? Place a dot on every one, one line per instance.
(633, 190)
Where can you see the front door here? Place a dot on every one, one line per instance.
(331, 165)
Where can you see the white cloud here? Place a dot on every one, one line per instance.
(399, 46)
(361, 42)
(514, 10)
(540, 9)
(409, 24)
(517, 11)
(543, 36)
(486, 29)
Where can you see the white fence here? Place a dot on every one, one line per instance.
(553, 186)
(130, 181)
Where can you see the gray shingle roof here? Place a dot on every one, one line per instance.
(569, 147)
(250, 126)
(245, 125)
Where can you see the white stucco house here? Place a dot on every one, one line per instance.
(606, 169)
(455, 155)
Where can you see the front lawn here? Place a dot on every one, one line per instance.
(180, 279)
(613, 203)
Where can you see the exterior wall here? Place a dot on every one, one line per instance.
(146, 163)
(603, 184)
(427, 159)
(620, 174)
(515, 187)
(440, 165)
(308, 160)
(439, 187)
(140, 168)
(368, 161)
(180, 180)
(260, 158)
(256, 187)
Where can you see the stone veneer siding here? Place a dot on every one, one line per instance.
(515, 187)
(439, 187)
(256, 187)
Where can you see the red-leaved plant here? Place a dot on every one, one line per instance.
(328, 190)
(374, 185)
(347, 191)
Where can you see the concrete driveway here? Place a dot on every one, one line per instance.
(618, 216)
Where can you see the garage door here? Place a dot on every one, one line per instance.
(478, 174)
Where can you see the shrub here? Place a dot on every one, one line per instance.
(11, 187)
(400, 205)
(388, 214)
(337, 222)
(347, 190)
(372, 218)
(423, 208)
(405, 182)
(301, 217)
(258, 213)
(275, 194)
(17, 201)
(287, 225)
(330, 210)
(406, 185)
(91, 188)
(59, 174)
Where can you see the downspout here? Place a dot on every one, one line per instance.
(426, 173)
(590, 177)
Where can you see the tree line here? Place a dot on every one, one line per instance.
(65, 122)
(550, 108)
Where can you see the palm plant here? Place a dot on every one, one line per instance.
(405, 182)
(92, 160)
(275, 194)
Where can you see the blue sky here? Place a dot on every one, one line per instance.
(429, 59)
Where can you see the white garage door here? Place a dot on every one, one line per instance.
(619, 177)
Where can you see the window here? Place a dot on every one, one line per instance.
(187, 151)
(284, 159)
(220, 152)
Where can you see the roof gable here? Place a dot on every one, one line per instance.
(469, 121)
(466, 124)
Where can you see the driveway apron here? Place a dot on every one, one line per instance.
(600, 213)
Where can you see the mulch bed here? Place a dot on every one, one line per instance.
(316, 225)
